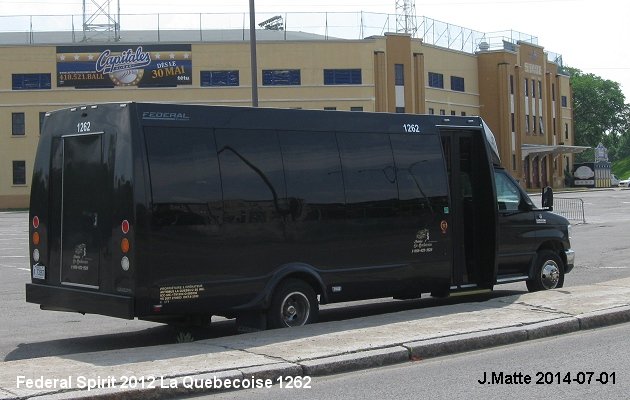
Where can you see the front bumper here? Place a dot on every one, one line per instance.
(83, 301)
(570, 260)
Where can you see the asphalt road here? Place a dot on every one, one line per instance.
(559, 368)
(602, 246)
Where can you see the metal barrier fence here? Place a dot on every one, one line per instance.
(570, 208)
(169, 27)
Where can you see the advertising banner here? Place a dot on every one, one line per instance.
(124, 65)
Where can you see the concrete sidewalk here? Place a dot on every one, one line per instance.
(320, 349)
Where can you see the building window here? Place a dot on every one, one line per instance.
(453, 112)
(219, 78)
(342, 77)
(281, 77)
(511, 84)
(566, 131)
(554, 126)
(553, 92)
(540, 89)
(31, 81)
(431, 111)
(512, 121)
(527, 124)
(18, 124)
(513, 162)
(534, 124)
(436, 80)
(399, 74)
(563, 99)
(330, 108)
(533, 88)
(542, 127)
(526, 87)
(19, 172)
(400, 110)
(457, 83)
(42, 115)
(463, 113)
(442, 112)
(356, 108)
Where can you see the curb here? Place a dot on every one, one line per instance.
(373, 358)
(601, 318)
(355, 361)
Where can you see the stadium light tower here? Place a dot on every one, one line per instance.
(406, 17)
(101, 20)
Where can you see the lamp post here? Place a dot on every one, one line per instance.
(252, 49)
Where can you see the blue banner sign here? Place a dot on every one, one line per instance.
(124, 65)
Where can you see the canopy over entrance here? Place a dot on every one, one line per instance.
(542, 150)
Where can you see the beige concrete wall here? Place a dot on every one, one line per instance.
(451, 63)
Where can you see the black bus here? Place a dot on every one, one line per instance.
(166, 212)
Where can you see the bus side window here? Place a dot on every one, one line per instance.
(368, 170)
(420, 170)
(313, 175)
(252, 176)
(184, 171)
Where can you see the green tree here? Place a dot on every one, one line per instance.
(600, 113)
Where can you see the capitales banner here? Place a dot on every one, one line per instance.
(124, 65)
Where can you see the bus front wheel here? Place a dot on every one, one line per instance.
(549, 272)
(294, 303)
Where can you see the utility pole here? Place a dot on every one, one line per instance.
(252, 49)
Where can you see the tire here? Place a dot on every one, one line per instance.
(294, 303)
(548, 272)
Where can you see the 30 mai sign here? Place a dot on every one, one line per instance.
(124, 65)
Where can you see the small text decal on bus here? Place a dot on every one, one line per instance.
(414, 128)
(166, 116)
(83, 127)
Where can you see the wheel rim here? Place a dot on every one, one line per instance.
(550, 274)
(295, 309)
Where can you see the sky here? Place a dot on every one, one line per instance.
(591, 35)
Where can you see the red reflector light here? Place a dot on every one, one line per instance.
(36, 222)
(157, 308)
(125, 226)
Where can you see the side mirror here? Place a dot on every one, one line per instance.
(547, 198)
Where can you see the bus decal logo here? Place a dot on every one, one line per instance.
(79, 260)
(422, 244)
(166, 116)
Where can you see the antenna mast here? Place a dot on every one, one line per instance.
(406, 17)
(100, 21)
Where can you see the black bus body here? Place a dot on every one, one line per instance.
(164, 212)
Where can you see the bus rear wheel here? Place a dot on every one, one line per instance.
(549, 272)
(294, 303)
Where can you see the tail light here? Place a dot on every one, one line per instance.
(35, 239)
(125, 245)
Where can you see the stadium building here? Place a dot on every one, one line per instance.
(518, 87)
